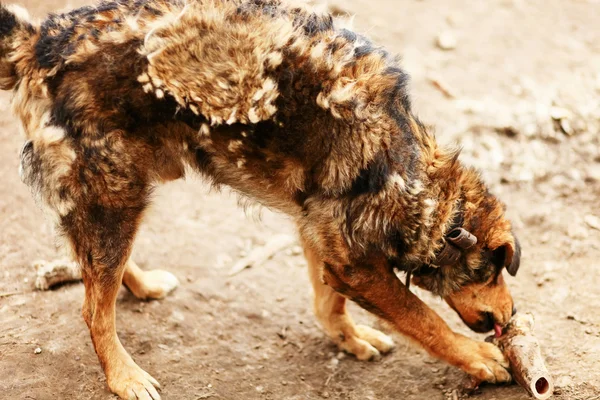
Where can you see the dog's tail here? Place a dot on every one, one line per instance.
(14, 24)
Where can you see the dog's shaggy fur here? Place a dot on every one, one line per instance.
(278, 104)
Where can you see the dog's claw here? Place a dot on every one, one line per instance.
(133, 383)
(485, 362)
(363, 350)
(154, 382)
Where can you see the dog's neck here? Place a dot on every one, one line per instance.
(458, 192)
(446, 193)
(442, 205)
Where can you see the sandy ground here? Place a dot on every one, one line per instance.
(524, 103)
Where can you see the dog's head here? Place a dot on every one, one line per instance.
(485, 302)
(470, 276)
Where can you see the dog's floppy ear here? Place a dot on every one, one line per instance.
(509, 256)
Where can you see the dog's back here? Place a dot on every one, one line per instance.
(255, 94)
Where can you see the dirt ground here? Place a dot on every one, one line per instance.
(522, 96)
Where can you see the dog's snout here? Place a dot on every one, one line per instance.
(488, 321)
(485, 323)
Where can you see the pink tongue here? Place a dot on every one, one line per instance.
(498, 330)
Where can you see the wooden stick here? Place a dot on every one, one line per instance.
(262, 254)
(442, 87)
(2, 295)
(522, 350)
(53, 273)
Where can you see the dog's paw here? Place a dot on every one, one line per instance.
(367, 343)
(382, 342)
(156, 284)
(484, 361)
(130, 382)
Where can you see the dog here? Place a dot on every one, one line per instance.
(277, 103)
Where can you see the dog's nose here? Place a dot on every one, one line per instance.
(514, 310)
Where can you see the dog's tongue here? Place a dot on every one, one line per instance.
(498, 330)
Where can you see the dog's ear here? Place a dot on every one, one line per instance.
(509, 256)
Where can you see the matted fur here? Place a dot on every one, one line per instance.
(275, 102)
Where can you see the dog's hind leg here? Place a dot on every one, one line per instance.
(330, 309)
(147, 285)
(101, 237)
(108, 195)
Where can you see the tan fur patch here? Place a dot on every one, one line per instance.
(226, 81)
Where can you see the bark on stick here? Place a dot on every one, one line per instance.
(522, 350)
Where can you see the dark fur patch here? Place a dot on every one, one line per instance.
(50, 48)
(31, 167)
(373, 178)
(8, 22)
(315, 24)
(349, 35)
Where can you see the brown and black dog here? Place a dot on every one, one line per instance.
(275, 102)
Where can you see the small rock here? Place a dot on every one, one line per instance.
(543, 280)
(559, 113)
(566, 127)
(296, 250)
(177, 316)
(37, 350)
(576, 231)
(574, 174)
(260, 389)
(592, 173)
(592, 221)
(563, 381)
(508, 131)
(530, 130)
(446, 41)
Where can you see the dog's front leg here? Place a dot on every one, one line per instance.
(377, 289)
